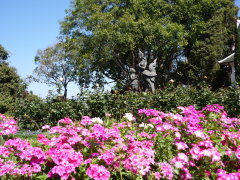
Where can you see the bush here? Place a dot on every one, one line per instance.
(33, 113)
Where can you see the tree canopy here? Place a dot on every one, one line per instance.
(186, 37)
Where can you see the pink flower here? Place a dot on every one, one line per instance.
(177, 135)
(207, 152)
(221, 172)
(181, 145)
(148, 112)
(108, 157)
(155, 120)
(157, 175)
(63, 171)
(42, 139)
(238, 152)
(185, 174)
(7, 125)
(200, 134)
(108, 114)
(195, 152)
(182, 157)
(216, 156)
(213, 108)
(7, 167)
(65, 120)
(17, 143)
(206, 143)
(98, 172)
(86, 120)
(166, 170)
(88, 161)
(178, 164)
(4, 151)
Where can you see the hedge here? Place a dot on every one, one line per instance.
(32, 114)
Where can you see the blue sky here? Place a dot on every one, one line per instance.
(29, 25)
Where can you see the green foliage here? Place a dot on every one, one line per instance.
(110, 33)
(34, 113)
(187, 38)
(210, 27)
(3, 53)
(11, 87)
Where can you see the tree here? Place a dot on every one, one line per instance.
(54, 67)
(11, 85)
(210, 27)
(109, 34)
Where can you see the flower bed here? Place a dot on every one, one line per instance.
(186, 144)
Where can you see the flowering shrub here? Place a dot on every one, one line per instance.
(187, 144)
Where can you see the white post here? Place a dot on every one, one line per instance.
(233, 70)
(238, 22)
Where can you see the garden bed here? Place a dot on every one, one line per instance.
(184, 144)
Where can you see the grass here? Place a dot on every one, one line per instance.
(30, 136)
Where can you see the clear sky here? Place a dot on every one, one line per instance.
(29, 25)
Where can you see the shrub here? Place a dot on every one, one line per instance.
(32, 114)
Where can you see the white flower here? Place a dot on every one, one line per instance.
(145, 126)
(199, 134)
(46, 127)
(129, 116)
(97, 120)
(150, 125)
(142, 125)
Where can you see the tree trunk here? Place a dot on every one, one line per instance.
(65, 92)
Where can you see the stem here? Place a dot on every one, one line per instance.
(120, 171)
(120, 174)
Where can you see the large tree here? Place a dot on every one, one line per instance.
(109, 35)
(54, 67)
(186, 37)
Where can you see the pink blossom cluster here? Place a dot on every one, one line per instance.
(148, 112)
(98, 172)
(192, 144)
(65, 160)
(30, 158)
(214, 108)
(140, 157)
(223, 175)
(7, 125)
(166, 170)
